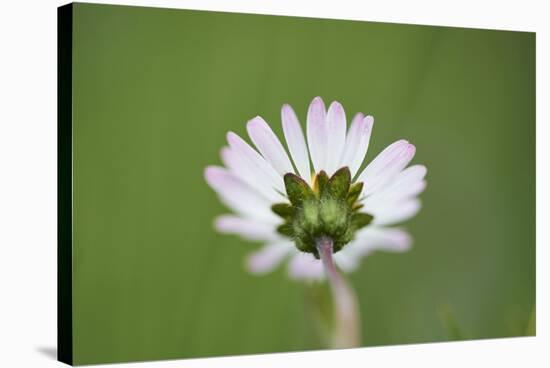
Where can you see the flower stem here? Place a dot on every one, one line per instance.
(346, 332)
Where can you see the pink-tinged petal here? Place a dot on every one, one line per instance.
(226, 156)
(249, 229)
(373, 238)
(386, 165)
(269, 145)
(357, 143)
(268, 257)
(352, 141)
(237, 195)
(394, 213)
(304, 266)
(317, 134)
(296, 142)
(254, 159)
(245, 171)
(336, 127)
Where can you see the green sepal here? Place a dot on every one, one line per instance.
(297, 189)
(304, 246)
(320, 182)
(359, 220)
(334, 216)
(338, 245)
(347, 236)
(354, 192)
(309, 216)
(286, 229)
(329, 209)
(284, 210)
(338, 185)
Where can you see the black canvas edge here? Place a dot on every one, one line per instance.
(64, 184)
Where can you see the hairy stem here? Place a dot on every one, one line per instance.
(346, 312)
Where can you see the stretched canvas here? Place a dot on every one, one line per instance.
(239, 184)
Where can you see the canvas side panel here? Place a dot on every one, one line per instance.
(64, 184)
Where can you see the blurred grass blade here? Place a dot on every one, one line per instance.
(450, 323)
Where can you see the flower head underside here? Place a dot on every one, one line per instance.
(289, 201)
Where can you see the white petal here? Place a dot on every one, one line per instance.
(357, 143)
(406, 179)
(237, 195)
(304, 266)
(249, 229)
(269, 145)
(413, 173)
(336, 133)
(268, 257)
(261, 167)
(296, 142)
(390, 198)
(386, 165)
(373, 238)
(393, 213)
(406, 185)
(345, 261)
(317, 132)
(245, 170)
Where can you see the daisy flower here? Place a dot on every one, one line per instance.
(288, 200)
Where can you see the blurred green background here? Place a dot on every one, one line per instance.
(155, 91)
